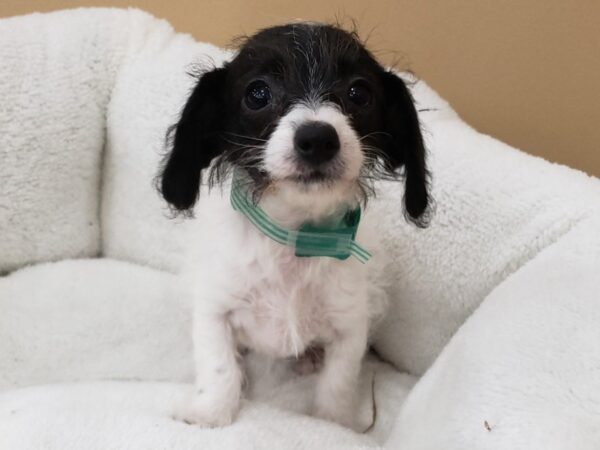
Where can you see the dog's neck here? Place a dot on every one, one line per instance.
(290, 207)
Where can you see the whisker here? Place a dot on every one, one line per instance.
(368, 135)
(252, 138)
(242, 145)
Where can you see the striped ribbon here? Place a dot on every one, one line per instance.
(337, 242)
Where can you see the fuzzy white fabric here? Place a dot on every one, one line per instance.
(149, 93)
(91, 319)
(524, 371)
(512, 231)
(54, 87)
(496, 209)
(138, 416)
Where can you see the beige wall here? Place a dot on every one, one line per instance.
(527, 72)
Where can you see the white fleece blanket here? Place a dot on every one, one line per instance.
(511, 232)
(524, 370)
(56, 78)
(64, 324)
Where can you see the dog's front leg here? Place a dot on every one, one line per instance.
(336, 393)
(218, 386)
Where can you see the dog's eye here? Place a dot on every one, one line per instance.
(258, 95)
(360, 94)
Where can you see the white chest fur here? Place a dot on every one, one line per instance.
(291, 308)
(276, 303)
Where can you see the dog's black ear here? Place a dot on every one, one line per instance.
(194, 141)
(405, 146)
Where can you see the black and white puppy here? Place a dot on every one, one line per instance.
(310, 118)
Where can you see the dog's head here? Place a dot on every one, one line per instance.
(304, 108)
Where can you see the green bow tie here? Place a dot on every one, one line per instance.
(310, 240)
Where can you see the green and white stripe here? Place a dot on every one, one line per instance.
(335, 243)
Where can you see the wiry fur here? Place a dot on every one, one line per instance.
(250, 291)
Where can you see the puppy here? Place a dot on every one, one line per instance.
(294, 129)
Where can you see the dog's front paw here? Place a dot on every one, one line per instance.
(209, 411)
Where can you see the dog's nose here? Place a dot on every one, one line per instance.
(316, 142)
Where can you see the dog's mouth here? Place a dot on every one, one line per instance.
(312, 177)
(306, 174)
(303, 176)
